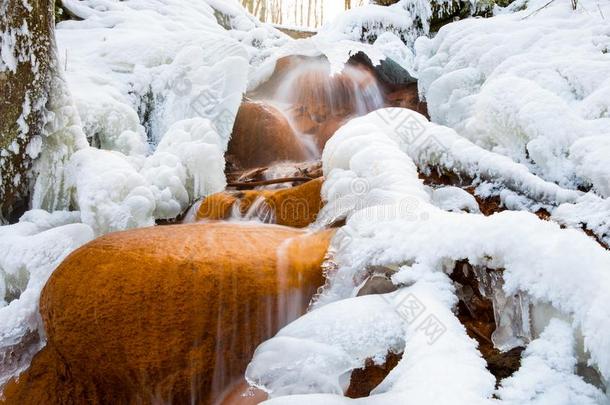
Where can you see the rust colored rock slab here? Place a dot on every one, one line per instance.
(296, 206)
(168, 314)
(262, 135)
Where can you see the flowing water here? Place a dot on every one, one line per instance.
(314, 103)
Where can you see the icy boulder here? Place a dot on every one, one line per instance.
(316, 353)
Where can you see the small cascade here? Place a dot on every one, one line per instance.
(310, 85)
(292, 116)
(259, 211)
(316, 103)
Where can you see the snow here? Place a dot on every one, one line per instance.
(590, 211)
(349, 331)
(454, 199)
(591, 158)
(188, 164)
(110, 193)
(364, 24)
(407, 19)
(547, 374)
(518, 85)
(393, 224)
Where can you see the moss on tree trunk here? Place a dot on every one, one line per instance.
(27, 28)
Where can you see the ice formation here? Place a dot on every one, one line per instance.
(546, 373)
(31, 250)
(159, 92)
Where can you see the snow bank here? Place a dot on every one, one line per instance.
(137, 67)
(29, 252)
(533, 85)
(157, 87)
(393, 224)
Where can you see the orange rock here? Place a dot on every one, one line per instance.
(242, 394)
(167, 314)
(296, 206)
(262, 135)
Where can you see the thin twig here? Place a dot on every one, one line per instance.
(268, 182)
(536, 11)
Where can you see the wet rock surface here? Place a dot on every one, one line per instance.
(128, 321)
(262, 135)
(296, 206)
(364, 380)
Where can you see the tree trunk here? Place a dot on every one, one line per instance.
(309, 11)
(25, 89)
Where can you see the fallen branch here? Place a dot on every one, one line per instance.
(268, 182)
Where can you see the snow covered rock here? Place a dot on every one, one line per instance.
(520, 85)
(390, 222)
(316, 353)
